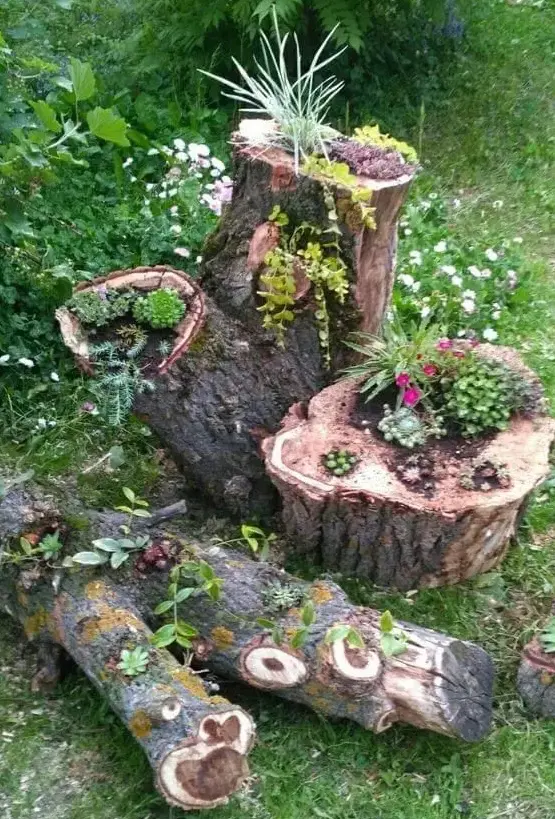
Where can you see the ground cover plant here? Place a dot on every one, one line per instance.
(491, 148)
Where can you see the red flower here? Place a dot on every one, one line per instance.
(474, 342)
(459, 353)
(412, 396)
(402, 380)
(429, 369)
(444, 344)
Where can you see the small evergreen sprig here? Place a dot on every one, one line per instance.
(118, 379)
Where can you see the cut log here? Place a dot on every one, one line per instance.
(226, 386)
(536, 680)
(196, 744)
(372, 524)
(437, 682)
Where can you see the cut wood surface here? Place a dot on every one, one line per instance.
(370, 524)
(536, 680)
(438, 683)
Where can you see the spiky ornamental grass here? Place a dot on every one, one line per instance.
(298, 108)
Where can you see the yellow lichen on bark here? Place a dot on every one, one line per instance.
(35, 623)
(107, 619)
(315, 689)
(222, 637)
(320, 593)
(140, 724)
(22, 598)
(95, 589)
(219, 700)
(191, 682)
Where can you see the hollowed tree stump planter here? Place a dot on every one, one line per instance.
(212, 405)
(370, 524)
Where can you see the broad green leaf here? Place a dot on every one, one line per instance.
(82, 77)
(163, 607)
(164, 636)
(182, 641)
(206, 571)
(337, 633)
(107, 544)
(184, 594)
(141, 513)
(185, 630)
(90, 558)
(117, 559)
(64, 82)
(263, 623)
(308, 614)
(25, 546)
(129, 494)
(47, 116)
(354, 639)
(299, 638)
(386, 622)
(106, 125)
(117, 456)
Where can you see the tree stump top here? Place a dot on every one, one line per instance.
(296, 453)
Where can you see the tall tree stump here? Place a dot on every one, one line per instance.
(371, 524)
(228, 384)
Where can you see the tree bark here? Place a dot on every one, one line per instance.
(196, 743)
(437, 682)
(229, 384)
(536, 680)
(371, 524)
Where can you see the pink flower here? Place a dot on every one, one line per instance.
(474, 342)
(412, 396)
(429, 369)
(459, 353)
(102, 291)
(444, 344)
(402, 380)
(88, 406)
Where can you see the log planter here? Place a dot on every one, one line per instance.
(212, 406)
(380, 521)
(536, 680)
(197, 743)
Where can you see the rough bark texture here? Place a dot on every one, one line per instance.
(370, 524)
(536, 680)
(195, 743)
(230, 384)
(438, 683)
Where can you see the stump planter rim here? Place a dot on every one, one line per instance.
(147, 278)
(294, 455)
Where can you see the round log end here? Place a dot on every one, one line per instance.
(270, 666)
(464, 686)
(353, 663)
(205, 772)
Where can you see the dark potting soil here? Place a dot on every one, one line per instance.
(369, 160)
(421, 467)
(150, 357)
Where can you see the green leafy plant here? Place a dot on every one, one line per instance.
(298, 108)
(371, 135)
(307, 617)
(100, 305)
(322, 265)
(400, 357)
(393, 640)
(340, 461)
(199, 578)
(257, 540)
(344, 632)
(547, 637)
(360, 214)
(160, 308)
(48, 548)
(478, 396)
(133, 661)
(116, 551)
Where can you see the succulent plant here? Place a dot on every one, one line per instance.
(160, 308)
(403, 426)
(340, 461)
(282, 596)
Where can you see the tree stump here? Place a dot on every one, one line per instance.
(536, 680)
(228, 384)
(372, 524)
(437, 682)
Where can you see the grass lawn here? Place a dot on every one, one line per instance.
(488, 137)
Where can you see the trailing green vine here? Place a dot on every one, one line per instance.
(359, 213)
(371, 135)
(322, 265)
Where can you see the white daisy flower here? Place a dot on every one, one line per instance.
(176, 229)
(490, 334)
(179, 144)
(54, 376)
(184, 252)
(441, 247)
(456, 281)
(468, 305)
(491, 254)
(26, 362)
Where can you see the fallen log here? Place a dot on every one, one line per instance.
(196, 743)
(436, 682)
(536, 679)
